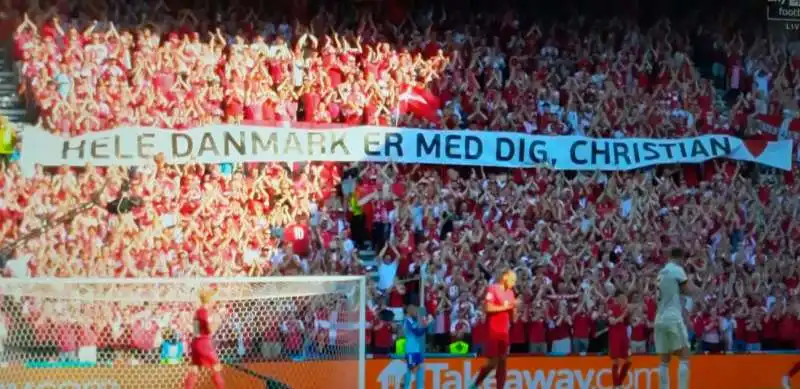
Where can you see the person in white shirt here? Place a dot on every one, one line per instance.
(278, 256)
(387, 271)
(17, 266)
(671, 336)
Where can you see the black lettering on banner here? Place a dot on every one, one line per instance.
(699, 149)
(651, 152)
(208, 145)
(338, 140)
(176, 151)
(504, 150)
(636, 157)
(376, 148)
(603, 152)
(538, 151)
(667, 149)
(97, 146)
(452, 146)
(316, 143)
(621, 152)
(682, 152)
(720, 148)
(372, 146)
(682, 149)
(66, 147)
(118, 148)
(573, 152)
(471, 153)
(231, 142)
(425, 149)
(292, 143)
(143, 145)
(271, 146)
(394, 140)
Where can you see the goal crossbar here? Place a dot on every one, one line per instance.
(182, 280)
(179, 289)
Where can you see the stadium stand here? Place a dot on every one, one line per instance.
(574, 237)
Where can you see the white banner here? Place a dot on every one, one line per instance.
(231, 143)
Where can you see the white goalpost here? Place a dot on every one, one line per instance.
(271, 332)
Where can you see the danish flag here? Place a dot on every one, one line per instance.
(777, 125)
(420, 102)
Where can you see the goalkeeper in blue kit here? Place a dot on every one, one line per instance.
(414, 328)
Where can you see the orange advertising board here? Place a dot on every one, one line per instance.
(293, 375)
(707, 372)
(746, 371)
(117, 377)
(754, 371)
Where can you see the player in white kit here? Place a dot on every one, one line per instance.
(671, 335)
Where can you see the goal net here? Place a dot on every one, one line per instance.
(271, 332)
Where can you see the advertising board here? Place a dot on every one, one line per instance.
(747, 371)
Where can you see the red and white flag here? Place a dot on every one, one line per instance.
(777, 125)
(420, 102)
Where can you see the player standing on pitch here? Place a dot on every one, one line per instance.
(671, 336)
(499, 306)
(202, 348)
(414, 327)
(619, 342)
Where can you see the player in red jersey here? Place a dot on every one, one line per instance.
(619, 343)
(499, 305)
(202, 348)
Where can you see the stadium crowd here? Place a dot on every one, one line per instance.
(575, 238)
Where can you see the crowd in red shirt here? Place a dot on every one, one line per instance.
(602, 78)
(574, 238)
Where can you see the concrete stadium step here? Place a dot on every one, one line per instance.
(6, 62)
(719, 101)
(367, 258)
(10, 99)
(15, 115)
(11, 104)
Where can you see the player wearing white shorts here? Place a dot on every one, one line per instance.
(671, 336)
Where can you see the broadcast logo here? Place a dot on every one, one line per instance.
(784, 13)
